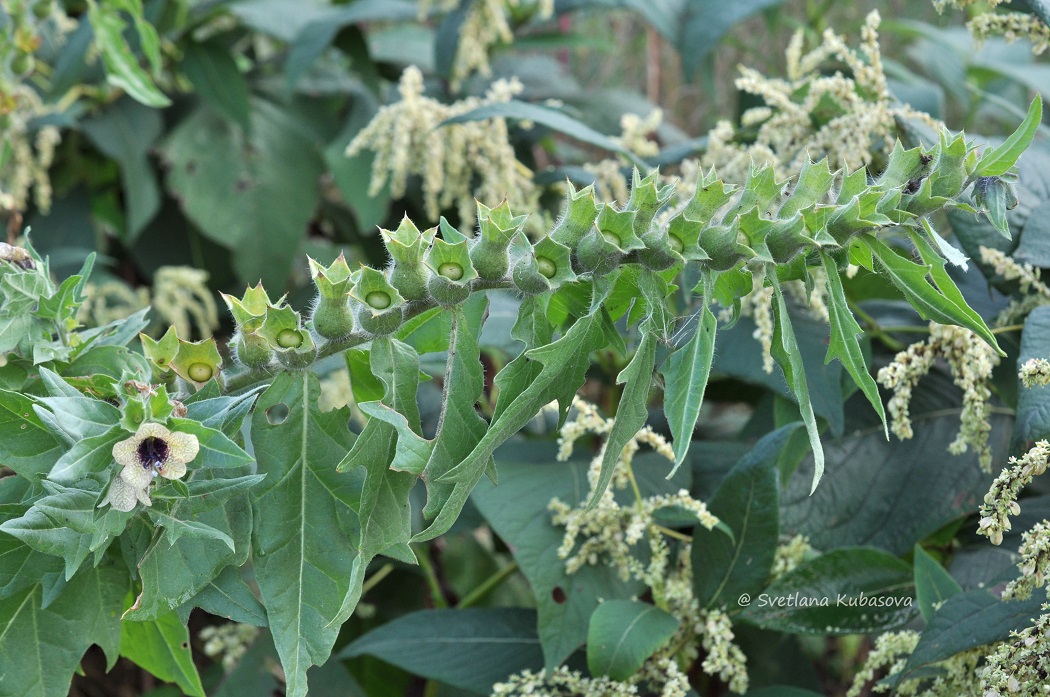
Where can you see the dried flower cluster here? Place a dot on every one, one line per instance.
(661, 677)
(612, 534)
(1001, 500)
(1018, 667)
(1010, 25)
(958, 675)
(610, 184)
(1035, 373)
(810, 115)
(227, 642)
(449, 160)
(1034, 292)
(790, 554)
(971, 361)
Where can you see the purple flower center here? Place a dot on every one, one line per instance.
(153, 452)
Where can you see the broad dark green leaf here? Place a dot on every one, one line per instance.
(633, 410)
(685, 381)
(26, 444)
(1033, 403)
(214, 74)
(748, 502)
(853, 590)
(970, 619)
(998, 160)
(623, 634)
(844, 344)
(40, 649)
(254, 195)
(125, 132)
(933, 583)
(224, 414)
(884, 493)
(517, 511)
(471, 649)
(702, 25)
(786, 353)
(305, 525)
(162, 647)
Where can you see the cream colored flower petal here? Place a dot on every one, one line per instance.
(172, 469)
(122, 496)
(151, 429)
(136, 476)
(143, 496)
(182, 447)
(125, 452)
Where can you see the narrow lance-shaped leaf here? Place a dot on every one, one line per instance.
(565, 364)
(947, 286)
(685, 380)
(843, 344)
(933, 584)
(632, 412)
(786, 352)
(997, 161)
(931, 303)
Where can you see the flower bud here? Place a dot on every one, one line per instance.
(332, 317)
(407, 246)
(647, 198)
(380, 312)
(284, 334)
(453, 272)
(497, 226)
(577, 217)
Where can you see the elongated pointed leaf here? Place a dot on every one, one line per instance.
(685, 380)
(997, 161)
(632, 412)
(844, 345)
(162, 647)
(305, 522)
(786, 352)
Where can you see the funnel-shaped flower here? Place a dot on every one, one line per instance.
(152, 451)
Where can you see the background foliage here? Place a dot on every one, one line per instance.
(214, 135)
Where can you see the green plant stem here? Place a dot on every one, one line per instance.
(673, 533)
(1008, 328)
(634, 484)
(250, 378)
(875, 329)
(436, 595)
(375, 578)
(487, 586)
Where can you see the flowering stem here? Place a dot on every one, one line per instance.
(487, 586)
(375, 578)
(673, 533)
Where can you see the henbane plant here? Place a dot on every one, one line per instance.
(314, 503)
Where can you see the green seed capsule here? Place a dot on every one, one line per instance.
(42, 9)
(290, 338)
(611, 237)
(676, 243)
(451, 270)
(378, 300)
(200, 372)
(546, 267)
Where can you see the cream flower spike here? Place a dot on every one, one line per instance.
(151, 451)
